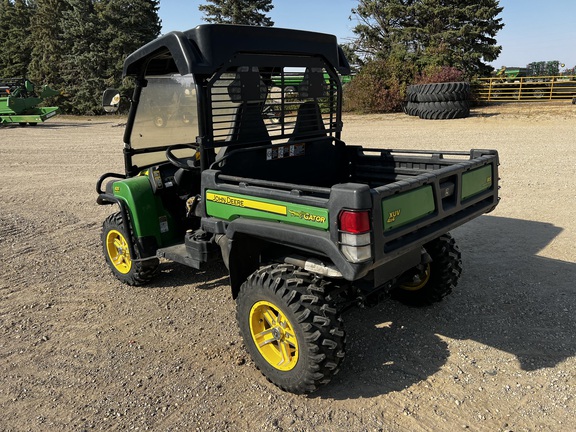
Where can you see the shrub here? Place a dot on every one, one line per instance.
(378, 88)
(439, 74)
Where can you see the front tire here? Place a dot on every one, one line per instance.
(434, 280)
(130, 270)
(293, 334)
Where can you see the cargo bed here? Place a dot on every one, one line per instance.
(413, 196)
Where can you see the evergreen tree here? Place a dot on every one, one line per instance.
(97, 35)
(47, 50)
(128, 24)
(15, 45)
(383, 26)
(77, 46)
(83, 64)
(544, 68)
(249, 12)
(457, 33)
(6, 10)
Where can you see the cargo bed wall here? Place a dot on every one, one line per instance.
(378, 167)
(418, 196)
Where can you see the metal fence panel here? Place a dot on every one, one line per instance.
(533, 88)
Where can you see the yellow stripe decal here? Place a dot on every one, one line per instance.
(246, 203)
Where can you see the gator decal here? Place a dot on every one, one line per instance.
(307, 216)
(229, 206)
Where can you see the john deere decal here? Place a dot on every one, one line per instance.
(229, 206)
(246, 203)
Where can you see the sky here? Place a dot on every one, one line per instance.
(534, 30)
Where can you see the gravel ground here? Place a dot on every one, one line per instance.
(81, 351)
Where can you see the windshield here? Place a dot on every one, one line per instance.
(166, 115)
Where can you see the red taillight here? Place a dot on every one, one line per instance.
(355, 222)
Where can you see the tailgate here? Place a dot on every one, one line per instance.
(435, 194)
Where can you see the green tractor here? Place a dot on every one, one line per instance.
(19, 102)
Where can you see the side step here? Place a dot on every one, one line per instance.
(193, 252)
(179, 254)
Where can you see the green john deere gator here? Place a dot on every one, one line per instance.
(19, 102)
(306, 225)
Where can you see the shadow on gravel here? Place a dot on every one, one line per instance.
(508, 298)
(67, 125)
(482, 114)
(173, 274)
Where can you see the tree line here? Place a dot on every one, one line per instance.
(79, 46)
(76, 46)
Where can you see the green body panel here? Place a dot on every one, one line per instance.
(401, 209)
(34, 115)
(476, 181)
(149, 218)
(229, 206)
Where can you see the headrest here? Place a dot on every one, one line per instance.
(313, 84)
(247, 86)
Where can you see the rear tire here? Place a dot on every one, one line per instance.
(436, 279)
(128, 269)
(293, 334)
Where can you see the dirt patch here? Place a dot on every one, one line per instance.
(80, 351)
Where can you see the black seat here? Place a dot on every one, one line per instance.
(309, 121)
(318, 159)
(249, 127)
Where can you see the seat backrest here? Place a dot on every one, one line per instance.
(249, 126)
(310, 156)
(309, 121)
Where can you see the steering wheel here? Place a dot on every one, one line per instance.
(188, 163)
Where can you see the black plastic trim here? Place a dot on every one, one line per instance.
(304, 239)
(205, 48)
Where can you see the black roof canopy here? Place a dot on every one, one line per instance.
(206, 48)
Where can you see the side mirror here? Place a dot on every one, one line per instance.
(111, 100)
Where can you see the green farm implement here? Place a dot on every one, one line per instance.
(19, 102)
(291, 81)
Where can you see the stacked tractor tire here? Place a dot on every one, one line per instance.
(438, 101)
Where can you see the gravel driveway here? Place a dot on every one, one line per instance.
(80, 351)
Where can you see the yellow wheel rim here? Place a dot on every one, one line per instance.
(419, 281)
(117, 248)
(274, 336)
